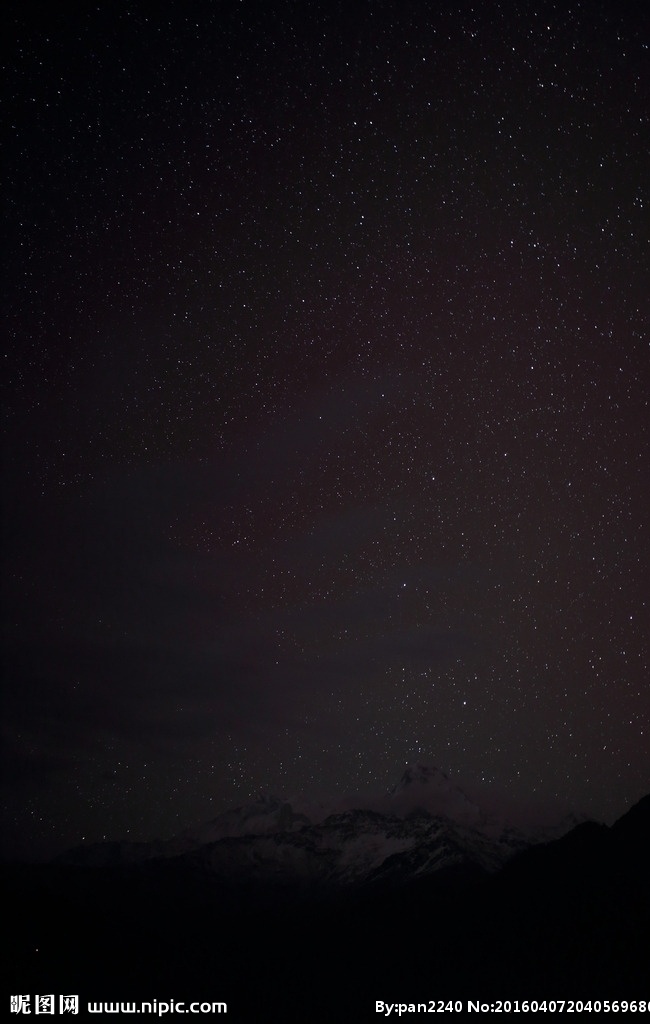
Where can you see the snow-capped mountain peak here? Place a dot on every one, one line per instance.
(267, 815)
(424, 787)
(419, 774)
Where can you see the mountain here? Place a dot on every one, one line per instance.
(429, 789)
(267, 815)
(425, 824)
(353, 848)
(321, 920)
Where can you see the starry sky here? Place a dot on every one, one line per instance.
(325, 417)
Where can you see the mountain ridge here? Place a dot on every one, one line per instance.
(424, 824)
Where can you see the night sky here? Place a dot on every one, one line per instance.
(326, 407)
